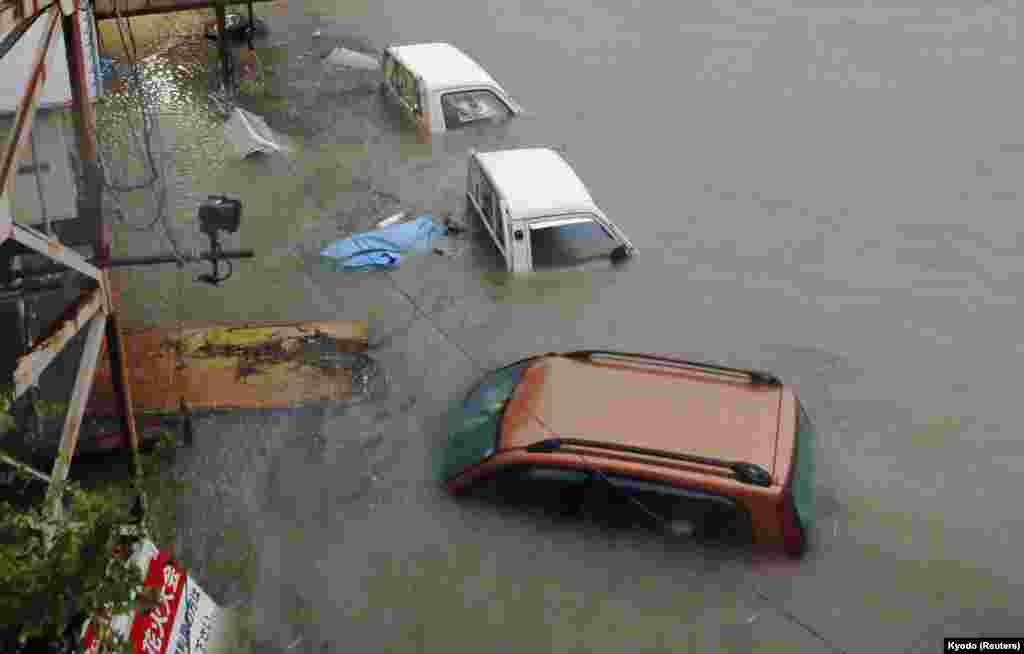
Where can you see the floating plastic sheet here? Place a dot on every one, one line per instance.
(382, 249)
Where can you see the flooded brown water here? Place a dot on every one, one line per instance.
(828, 193)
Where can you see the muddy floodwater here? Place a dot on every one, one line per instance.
(831, 194)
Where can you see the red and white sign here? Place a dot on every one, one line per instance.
(185, 620)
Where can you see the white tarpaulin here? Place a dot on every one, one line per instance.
(249, 134)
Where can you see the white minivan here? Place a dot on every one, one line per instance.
(538, 212)
(440, 88)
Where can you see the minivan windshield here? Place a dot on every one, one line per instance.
(474, 423)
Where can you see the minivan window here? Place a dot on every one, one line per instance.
(659, 505)
(551, 489)
(490, 206)
(465, 107)
(499, 223)
(406, 86)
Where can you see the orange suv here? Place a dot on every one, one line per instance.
(720, 452)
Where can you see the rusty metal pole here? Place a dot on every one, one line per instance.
(122, 388)
(90, 195)
(90, 208)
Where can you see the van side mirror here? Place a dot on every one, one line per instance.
(620, 253)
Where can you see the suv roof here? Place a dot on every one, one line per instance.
(442, 65)
(537, 182)
(634, 403)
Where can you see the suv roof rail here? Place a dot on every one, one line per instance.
(747, 473)
(757, 377)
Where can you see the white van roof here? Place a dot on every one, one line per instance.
(442, 65)
(537, 182)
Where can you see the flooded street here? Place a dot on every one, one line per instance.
(829, 194)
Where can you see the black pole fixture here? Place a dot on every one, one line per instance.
(250, 29)
(219, 213)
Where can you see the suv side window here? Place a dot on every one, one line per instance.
(465, 107)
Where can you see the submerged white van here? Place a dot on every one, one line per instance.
(440, 88)
(538, 212)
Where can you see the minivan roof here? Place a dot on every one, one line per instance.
(537, 182)
(645, 406)
(442, 65)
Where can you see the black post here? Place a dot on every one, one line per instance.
(222, 45)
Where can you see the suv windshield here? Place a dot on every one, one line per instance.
(474, 423)
(803, 471)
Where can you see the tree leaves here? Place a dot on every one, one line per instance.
(43, 587)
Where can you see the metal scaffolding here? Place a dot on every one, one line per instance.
(94, 311)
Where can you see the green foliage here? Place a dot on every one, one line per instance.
(51, 567)
(42, 583)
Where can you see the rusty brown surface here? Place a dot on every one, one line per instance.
(122, 387)
(241, 366)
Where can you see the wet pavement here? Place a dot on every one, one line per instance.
(829, 194)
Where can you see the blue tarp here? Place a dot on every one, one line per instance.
(382, 248)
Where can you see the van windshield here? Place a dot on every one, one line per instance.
(555, 244)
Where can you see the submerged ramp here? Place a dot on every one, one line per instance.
(241, 366)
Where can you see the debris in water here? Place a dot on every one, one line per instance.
(249, 134)
(391, 220)
(237, 27)
(454, 226)
(382, 249)
(352, 59)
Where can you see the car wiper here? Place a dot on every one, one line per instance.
(757, 377)
(747, 473)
